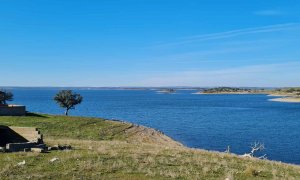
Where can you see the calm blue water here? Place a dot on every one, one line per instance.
(202, 121)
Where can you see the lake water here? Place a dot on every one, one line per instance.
(210, 122)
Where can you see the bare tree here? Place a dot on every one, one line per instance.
(256, 146)
(228, 150)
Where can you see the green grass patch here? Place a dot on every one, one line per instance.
(69, 127)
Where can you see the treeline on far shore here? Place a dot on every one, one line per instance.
(290, 91)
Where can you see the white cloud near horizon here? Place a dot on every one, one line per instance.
(263, 75)
(266, 75)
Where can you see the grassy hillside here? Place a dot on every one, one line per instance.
(116, 150)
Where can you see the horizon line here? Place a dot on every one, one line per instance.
(140, 87)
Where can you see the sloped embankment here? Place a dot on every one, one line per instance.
(141, 134)
(107, 149)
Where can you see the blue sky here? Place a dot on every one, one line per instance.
(149, 43)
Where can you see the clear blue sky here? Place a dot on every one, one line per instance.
(149, 43)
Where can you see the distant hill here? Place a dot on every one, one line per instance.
(228, 90)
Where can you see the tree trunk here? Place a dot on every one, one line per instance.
(67, 112)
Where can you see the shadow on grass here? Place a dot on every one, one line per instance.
(35, 115)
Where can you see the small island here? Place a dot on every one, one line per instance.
(167, 91)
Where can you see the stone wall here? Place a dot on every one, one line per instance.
(12, 110)
(19, 138)
(31, 134)
(10, 136)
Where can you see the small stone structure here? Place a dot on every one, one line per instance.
(14, 139)
(12, 110)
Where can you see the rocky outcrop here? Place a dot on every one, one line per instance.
(141, 134)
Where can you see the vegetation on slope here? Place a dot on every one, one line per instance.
(287, 91)
(226, 90)
(110, 149)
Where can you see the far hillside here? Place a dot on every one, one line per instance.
(290, 95)
(220, 90)
(291, 91)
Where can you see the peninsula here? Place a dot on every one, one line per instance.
(282, 94)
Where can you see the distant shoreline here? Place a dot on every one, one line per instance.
(215, 93)
(288, 98)
(291, 95)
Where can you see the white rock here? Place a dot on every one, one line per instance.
(21, 163)
(54, 159)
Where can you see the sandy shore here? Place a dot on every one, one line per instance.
(281, 97)
(286, 99)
